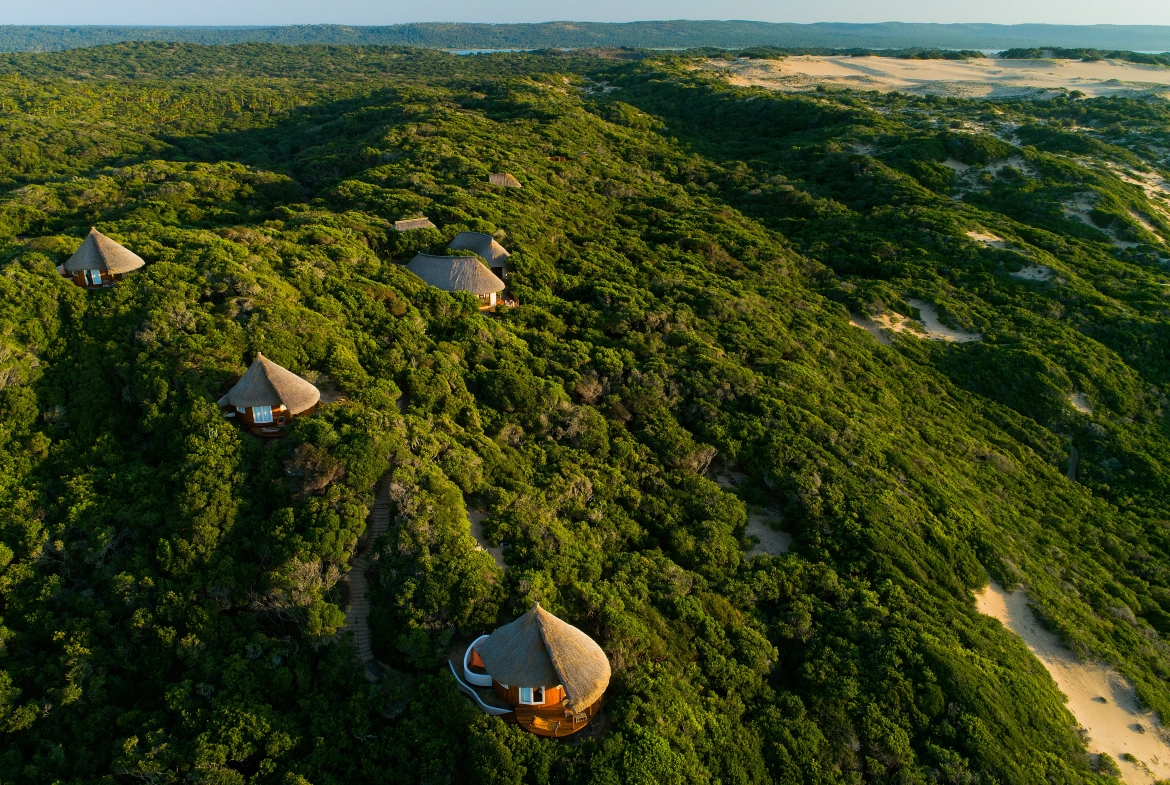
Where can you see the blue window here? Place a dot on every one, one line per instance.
(261, 414)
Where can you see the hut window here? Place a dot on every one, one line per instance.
(532, 695)
(95, 277)
(240, 409)
(261, 414)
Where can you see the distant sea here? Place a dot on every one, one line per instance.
(467, 38)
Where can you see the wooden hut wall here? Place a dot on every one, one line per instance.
(552, 696)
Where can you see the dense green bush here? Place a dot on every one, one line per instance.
(686, 256)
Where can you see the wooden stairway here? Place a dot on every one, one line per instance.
(356, 616)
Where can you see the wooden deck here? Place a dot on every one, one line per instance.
(552, 721)
(359, 605)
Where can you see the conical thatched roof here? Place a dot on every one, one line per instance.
(504, 179)
(413, 223)
(540, 650)
(455, 273)
(267, 384)
(482, 244)
(98, 252)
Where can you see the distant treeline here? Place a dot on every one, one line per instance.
(650, 35)
(1088, 55)
(778, 52)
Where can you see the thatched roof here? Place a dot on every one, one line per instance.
(413, 223)
(267, 384)
(455, 273)
(540, 650)
(482, 244)
(504, 179)
(98, 252)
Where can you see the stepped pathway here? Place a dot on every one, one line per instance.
(359, 605)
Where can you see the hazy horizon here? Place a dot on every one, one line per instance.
(366, 12)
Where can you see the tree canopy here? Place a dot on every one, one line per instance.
(687, 257)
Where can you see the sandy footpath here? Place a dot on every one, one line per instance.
(475, 518)
(1102, 701)
(979, 77)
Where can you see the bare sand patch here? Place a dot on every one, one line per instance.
(881, 325)
(1156, 188)
(1079, 207)
(770, 541)
(870, 326)
(1080, 402)
(987, 238)
(938, 331)
(1033, 272)
(991, 241)
(1100, 698)
(475, 517)
(977, 77)
(1149, 227)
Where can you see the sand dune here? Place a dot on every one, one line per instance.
(981, 77)
(1102, 701)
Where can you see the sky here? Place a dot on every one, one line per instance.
(384, 12)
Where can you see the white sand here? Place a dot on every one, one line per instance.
(1157, 190)
(881, 325)
(1080, 206)
(1034, 272)
(979, 77)
(938, 331)
(988, 239)
(1102, 701)
(476, 518)
(1080, 402)
(1149, 227)
(873, 328)
(771, 541)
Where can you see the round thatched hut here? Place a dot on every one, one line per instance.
(549, 672)
(267, 398)
(482, 244)
(458, 274)
(503, 179)
(100, 262)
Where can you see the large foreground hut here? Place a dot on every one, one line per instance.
(482, 244)
(100, 262)
(458, 274)
(550, 673)
(267, 398)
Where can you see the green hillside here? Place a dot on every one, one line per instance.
(686, 256)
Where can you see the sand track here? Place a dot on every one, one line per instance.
(1100, 698)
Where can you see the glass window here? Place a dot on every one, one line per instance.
(95, 277)
(532, 695)
(261, 414)
(240, 409)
